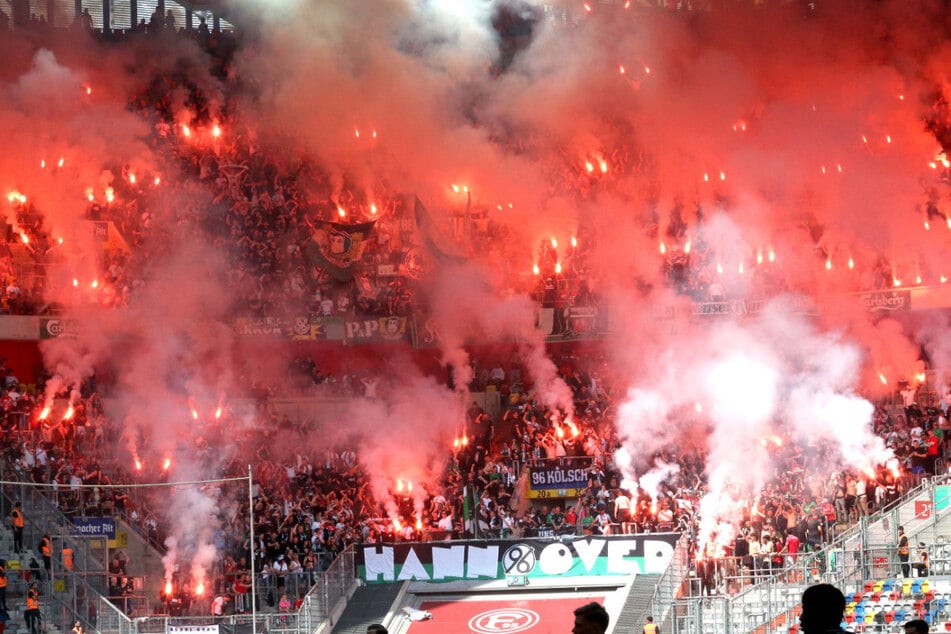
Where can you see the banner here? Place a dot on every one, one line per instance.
(557, 481)
(609, 555)
(886, 301)
(53, 328)
(376, 329)
(258, 326)
(94, 527)
(335, 249)
(316, 327)
(193, 629)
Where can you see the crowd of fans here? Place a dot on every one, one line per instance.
(310, 505)
(259, 209)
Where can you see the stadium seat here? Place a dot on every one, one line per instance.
(947, 626)
(877, 586)
(869, 585)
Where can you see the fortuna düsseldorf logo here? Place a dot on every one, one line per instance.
(505, 620)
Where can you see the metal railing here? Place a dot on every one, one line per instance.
(334, 585)
(743, 601)
(671, 583)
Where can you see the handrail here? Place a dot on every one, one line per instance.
(671, 581)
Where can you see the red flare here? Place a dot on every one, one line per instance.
(45, 412)
(69, 413)
(396, 524)
(218, 412)
(168, 588)
(894, 467)
(216, 131)
(200, 588)
(194, 413)
(166, 464)
(419, 524)
(138, 464)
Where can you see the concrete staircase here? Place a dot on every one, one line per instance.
(634, 614)
(369, 604)
(17, 583)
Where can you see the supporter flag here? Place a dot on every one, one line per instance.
(438, 246)
(336, 248)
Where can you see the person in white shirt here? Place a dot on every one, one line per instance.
(755, 552)
(861, 498)
(445, 522)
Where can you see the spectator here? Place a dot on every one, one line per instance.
(823, 606)
(591, 619)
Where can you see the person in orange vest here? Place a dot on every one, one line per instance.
(19, 521)
(3, 585)
(67, 557)
(32, 613)
(46, 550)
(650, 628)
